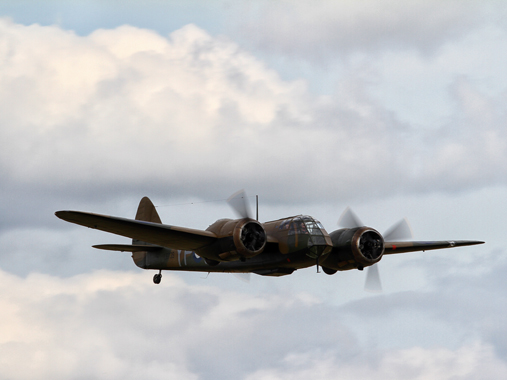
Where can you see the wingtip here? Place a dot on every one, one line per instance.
(468, 242)
(64, 214)
(59, 214)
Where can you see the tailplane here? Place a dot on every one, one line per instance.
(146, 212)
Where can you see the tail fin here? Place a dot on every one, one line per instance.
(147, 212)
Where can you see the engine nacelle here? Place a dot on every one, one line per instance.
(354, 248)
(238, 239)
(249, 238)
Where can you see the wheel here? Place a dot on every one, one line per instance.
(157, 278)
(329, 271)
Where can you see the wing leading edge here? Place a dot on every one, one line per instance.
(154, 233)
(413, 246)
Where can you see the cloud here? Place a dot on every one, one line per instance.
(468, 362)
(117, 324)
(323, 30)
(147, 106)
(63, 252)
(74, 330)
(95, 122)
(128, 109)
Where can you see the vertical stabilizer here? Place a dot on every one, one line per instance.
(147, 212)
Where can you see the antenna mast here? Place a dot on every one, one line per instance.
(257, 207)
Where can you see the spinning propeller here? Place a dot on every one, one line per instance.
(239, 204)
(399, 231)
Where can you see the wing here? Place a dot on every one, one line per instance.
(154, 233)
(412, 246)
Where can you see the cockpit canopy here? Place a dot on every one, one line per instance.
(307, 233)
(303, 224)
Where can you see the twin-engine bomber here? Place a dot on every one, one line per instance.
(244, 245)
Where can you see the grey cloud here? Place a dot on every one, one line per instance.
(124, 113)
(64, 252)
(194, 329)
(115, 324)
(167, 115)
(322, 30)
(463, 302)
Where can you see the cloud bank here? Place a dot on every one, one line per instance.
(323, 29)
(127, 108)
(111, 324)
(414, 105)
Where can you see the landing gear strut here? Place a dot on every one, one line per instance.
(158, 277)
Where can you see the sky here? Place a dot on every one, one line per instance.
(396, 109)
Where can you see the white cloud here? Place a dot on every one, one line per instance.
(95, 121)
(72, 329)
(468, 362)
(117, 324)
(128, 108)
(114, 324)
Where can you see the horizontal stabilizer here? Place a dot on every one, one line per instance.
(128, 247)
(412, 246)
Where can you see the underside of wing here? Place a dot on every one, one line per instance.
(154, 233)
(413, 246)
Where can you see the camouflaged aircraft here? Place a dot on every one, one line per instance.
(244, 245)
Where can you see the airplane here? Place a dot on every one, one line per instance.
(244, 245)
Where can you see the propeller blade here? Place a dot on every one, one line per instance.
(239, 204)
(399, 231)
(245, 277)
(349, 219)
(373, 283)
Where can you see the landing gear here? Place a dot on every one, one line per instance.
(329, 270)
(157, 278)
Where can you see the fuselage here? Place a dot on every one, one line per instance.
(293, 243)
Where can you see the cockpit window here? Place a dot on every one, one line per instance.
(304, 225)
(313, 226)
(284, 225)
(297, 226)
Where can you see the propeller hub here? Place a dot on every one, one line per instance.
(367, 246)
(249, 238)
